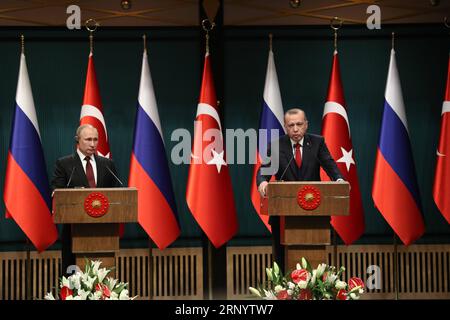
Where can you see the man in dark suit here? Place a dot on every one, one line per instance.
(300, 157)
(83, 169)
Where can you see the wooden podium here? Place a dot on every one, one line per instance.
(95, 215)
(306, 231)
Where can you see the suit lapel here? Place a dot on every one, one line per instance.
(289, 157)
(79, 168)
(100, 171)
(307, 157)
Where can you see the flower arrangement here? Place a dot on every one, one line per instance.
(91, 285)
(305, 283)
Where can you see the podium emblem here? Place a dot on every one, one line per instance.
(96, 204)
(308, 198)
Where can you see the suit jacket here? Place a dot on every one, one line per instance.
(315, 155)
(69, 173)
(71, 168)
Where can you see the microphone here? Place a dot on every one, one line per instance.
(70, 177)
(110, 171)
(285, 169)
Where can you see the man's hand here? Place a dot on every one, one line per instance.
(342, 180)
(263, 188)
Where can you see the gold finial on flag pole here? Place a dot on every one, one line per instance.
(270, 41)
(22, 43)
(144, 39)
(207, 26)
(336, 28)
(91, 29)
(393, 40)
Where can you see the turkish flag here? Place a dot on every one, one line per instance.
(441, 186)
(92, 110)
(336, 131)
(92, 113)
(209, 193)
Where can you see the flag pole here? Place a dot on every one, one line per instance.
(150, 269)
(27, 241)
(395, 267)
(396, 280)
(91, 29)
(150, 242)
(208, 26)
(335, 30)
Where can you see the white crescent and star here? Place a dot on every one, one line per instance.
(347, 158)
(445, 109)
(218, 158)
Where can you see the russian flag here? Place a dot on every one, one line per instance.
(27, 193)
(395, 191)
(271, 118)
(149, 170)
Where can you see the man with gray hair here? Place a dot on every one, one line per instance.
(300, 157)
(82, 169)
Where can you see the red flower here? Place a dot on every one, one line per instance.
(65, 291)
(283, 295)
(305, 294)
(299, 275)
(355, 282)
(106, 293)
(341, 295)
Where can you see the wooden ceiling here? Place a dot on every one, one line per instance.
(236, 12)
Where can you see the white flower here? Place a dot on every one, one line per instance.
(74, 281)
(69, 297)
(304, 263)
(291, 285)
(113, 296)
(254, 291)
(276, 268)
(331, 278)
(326, 295)
(111, 283)
(303, 284)
(65, 283)
(278, 288)
(340, 285)
(101, 274)
(314, 276)
(83, 294)
(269, 274)
(124, 295)
(321, 269)
(290, 292)
(95, 265)
(95, 296)
(49, 296)
(269, 295)
(88, 281)
(354, 296)
(298, 266)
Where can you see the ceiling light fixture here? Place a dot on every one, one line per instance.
(435, 3)
(295, 3)
(125, 4)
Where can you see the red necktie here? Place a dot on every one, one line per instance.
(90, 172)
(298, 155)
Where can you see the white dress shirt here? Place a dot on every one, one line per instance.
(293, 143)
(84, 162)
